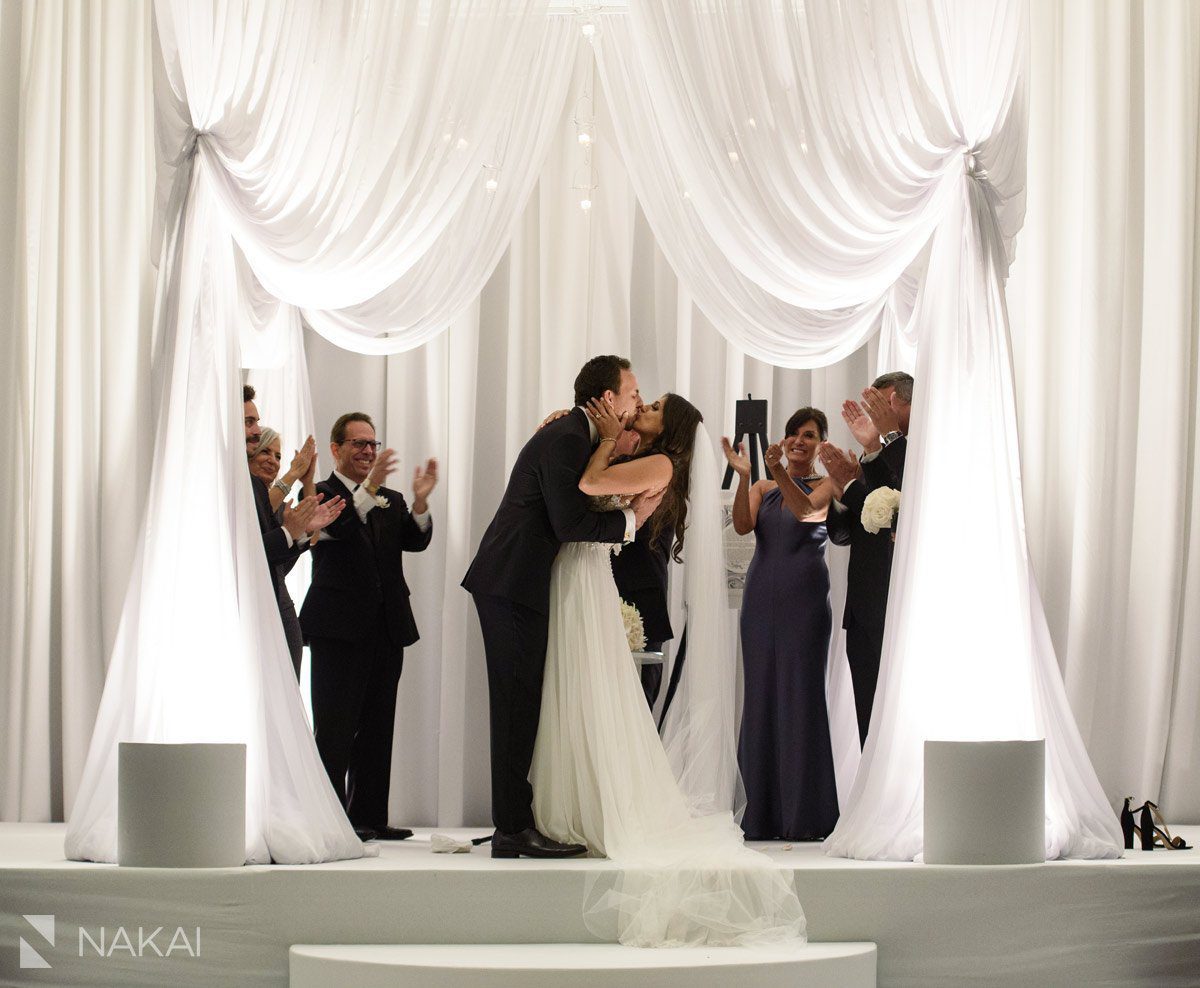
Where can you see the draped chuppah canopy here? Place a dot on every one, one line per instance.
(814, 172)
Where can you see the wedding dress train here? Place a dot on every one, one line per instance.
(601, 777)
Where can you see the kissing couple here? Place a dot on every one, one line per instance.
(577, 763)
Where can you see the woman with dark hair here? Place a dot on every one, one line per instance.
(784, 749)
(660, 809)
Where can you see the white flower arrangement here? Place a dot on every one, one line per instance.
(880, 508)
(635, 632)
(380, 501)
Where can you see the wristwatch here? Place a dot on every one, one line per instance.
(286, 488)
(891, 437)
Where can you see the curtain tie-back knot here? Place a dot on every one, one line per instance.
(974, 164)
(193, 140)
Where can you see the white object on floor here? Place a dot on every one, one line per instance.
(445, 844)
(597, 965)
(985, 802)
(181, 805)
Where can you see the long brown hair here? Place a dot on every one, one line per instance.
(676, 441)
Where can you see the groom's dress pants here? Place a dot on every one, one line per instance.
(514, 640)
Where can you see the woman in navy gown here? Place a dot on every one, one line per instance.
(784, 750)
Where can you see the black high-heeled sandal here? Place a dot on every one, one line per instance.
(1127, 827)
(1161, 836)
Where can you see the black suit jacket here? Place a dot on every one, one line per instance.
(359, 569)
(870, 554)
(640, 572)
(280, 556)
(542, 507)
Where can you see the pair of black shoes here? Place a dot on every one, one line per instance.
(365, 834)
(1151, 829)
(532, 843)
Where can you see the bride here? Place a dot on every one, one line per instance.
(601, 776)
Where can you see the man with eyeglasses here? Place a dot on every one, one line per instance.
(357, 620)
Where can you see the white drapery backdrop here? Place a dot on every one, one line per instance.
(433, 399)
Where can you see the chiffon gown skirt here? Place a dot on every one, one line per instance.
(601, 777)
(784, 750)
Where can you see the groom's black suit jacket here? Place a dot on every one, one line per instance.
(360, 569)
(870, 566)
(542, 507)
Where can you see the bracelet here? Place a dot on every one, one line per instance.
(286, 488)
(607, 439)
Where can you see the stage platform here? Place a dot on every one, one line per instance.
(1135, 921)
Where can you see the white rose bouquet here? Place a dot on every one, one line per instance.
(635, 632)
(880, 508)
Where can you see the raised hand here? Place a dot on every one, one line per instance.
(736, 458)
(296, 519)
(879, 407)
(554, 417)
(645, 504)
(841, 466)
(861, 426)
(325, 512)
(309, 449)
(608, 423)
(424, 481)
(385, 464)
(774, 458)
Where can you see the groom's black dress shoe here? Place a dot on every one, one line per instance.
(365, 834)
(390, 833)
(532, 844)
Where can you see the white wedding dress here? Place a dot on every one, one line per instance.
(601, 777)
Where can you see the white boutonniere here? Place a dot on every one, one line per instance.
(379, 499)
(880, 509)
(635, 632)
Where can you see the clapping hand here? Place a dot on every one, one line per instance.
(385, 464)
(297, 519)
(737, 458)
(774, 459)
(861, 426)
(879, 408)
(424, 481)
(841, 466)
(302, 462)
(608, 423)
(325, 513)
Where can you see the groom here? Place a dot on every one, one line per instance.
(509, 580)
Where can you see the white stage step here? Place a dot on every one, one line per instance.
(574, 965)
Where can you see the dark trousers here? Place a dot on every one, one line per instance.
(864, 644)
(354, 712)
(514, 641)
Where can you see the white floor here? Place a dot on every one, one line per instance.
(1131, 921)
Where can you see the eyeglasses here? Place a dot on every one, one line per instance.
(363, 444)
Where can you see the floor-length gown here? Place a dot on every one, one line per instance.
(784, 750)
(601, 777)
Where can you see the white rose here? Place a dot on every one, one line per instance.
(879, 509)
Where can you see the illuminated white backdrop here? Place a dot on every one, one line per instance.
(443, 404)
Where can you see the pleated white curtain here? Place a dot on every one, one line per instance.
(818, 150)
(1105, 303)
(323, 216)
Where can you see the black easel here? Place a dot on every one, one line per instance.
(749, 419)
